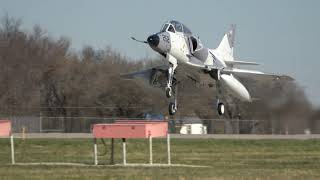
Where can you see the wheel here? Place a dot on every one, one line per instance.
(172, 109)
(221, 109)
(168, 92)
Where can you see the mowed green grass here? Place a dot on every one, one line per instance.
(228, 159)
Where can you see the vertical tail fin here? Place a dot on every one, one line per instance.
(226, 45)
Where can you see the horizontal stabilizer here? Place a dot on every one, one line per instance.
(140, 74)
(146, 74)
(231, 63)
(245, 71)
(256, 74)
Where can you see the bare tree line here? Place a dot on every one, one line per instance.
(39, 73)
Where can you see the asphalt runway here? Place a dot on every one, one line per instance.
(177, 136)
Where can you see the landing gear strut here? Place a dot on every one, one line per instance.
(173, 105)
(220, 105)
(170, 84)
(170, 79)
(170, 92)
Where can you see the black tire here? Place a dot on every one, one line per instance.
(221, 109)
(168, 92)
(172, 109)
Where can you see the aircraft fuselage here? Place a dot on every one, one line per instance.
(184, 48)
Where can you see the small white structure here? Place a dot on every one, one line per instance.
(196, 128)
(192, 125)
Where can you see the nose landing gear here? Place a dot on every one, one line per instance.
(173, 105)
(168, 92)
(172, 84)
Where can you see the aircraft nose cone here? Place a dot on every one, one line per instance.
(153, 40)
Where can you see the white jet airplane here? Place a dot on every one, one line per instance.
(179, 47)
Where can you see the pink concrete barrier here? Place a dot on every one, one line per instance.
(131, 129)
(5, 128)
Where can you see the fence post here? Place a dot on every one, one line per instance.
(124, 151)
(168, 149)
(12, 149)
(40, 121)
(112, 152)
(254, 127)
(95, 151)
(150, 148)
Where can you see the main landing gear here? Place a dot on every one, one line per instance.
(220, 106)
(172, 108)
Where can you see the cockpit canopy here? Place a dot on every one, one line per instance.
(175, 26)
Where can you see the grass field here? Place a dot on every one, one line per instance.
(228, 159)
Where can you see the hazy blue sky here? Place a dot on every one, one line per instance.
(283, 35)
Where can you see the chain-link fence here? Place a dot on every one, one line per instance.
(80, 119)
(44, 124)
(188, 125)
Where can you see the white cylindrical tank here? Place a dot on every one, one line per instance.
(236, 87)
